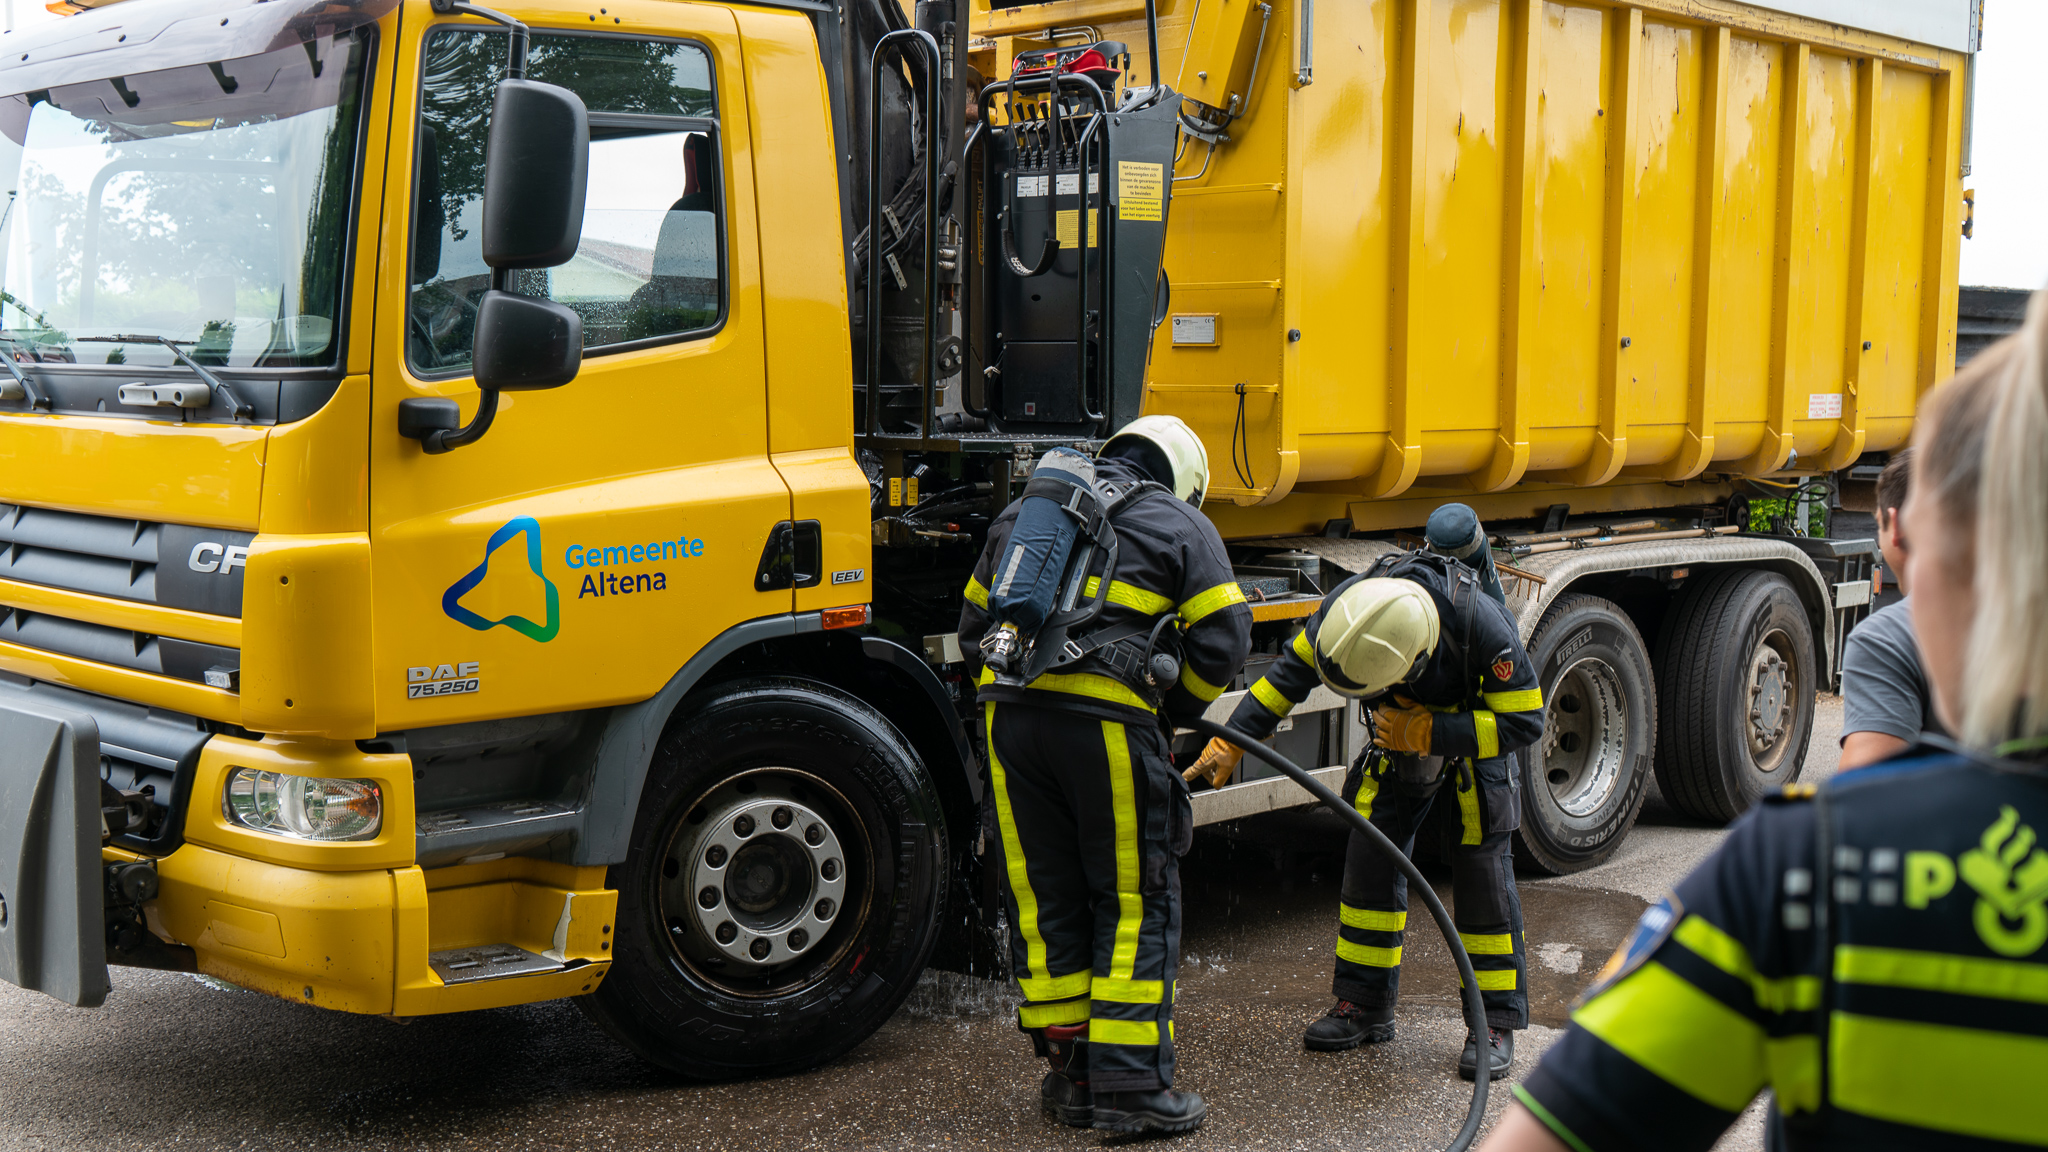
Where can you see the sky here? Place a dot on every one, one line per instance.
(2008, 162)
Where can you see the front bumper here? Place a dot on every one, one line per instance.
(358, 927)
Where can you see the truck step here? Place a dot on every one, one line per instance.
(488, 962)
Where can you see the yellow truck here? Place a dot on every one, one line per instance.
(486, 495)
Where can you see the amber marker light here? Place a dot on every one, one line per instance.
(852, 616)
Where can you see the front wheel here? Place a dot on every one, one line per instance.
(1584, 781)
(784, 886)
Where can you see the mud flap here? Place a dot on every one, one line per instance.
(52, 930)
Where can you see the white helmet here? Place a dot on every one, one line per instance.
(1373, 633)
(1182, 448)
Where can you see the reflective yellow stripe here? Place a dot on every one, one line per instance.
(1057, 987)
(1139, 1032)
(1130, 902)
(1794, 1063)
(1468, 813)
(1197, 687)
(1488, 735)
(1020, 880)
(1371, 919)
(1526, 700)
(1495, 979)
(1369, 955)
(1215, 599)
(1304, 649)
(1940, 972)
(1502, 944)
(1047, 1015)
(1781, 994)
(1266, 694)
(977, 595)
(1092, 686)
(1368, 788)
(1688, 1039)
(1131, 596)
(1964, 1080)
(1118, 991)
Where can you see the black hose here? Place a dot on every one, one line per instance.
(1475, 1009)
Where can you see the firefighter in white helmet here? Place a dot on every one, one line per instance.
(1091, 815)
(1453, 695)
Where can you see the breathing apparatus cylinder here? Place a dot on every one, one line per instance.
(1454, 530)
(1059, 500)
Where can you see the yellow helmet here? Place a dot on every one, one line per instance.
(1178, 444)
(1373, 633)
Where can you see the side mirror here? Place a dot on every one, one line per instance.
(535, 169)
(523, 344)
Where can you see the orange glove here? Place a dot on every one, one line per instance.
(1216, 763)
(1402, 726)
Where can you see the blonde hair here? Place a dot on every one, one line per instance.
(1983, 460)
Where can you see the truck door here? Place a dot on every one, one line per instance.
(601, 532)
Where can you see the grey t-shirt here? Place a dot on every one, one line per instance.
(1884, 688)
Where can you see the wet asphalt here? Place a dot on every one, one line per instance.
(172, 1062)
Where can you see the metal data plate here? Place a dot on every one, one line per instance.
(52, 929)
(488, 962)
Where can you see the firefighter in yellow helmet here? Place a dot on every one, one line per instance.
(1452, 695)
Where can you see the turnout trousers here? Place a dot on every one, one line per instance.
(1395, 791)
(1093, 820)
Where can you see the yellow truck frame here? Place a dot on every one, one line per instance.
(327, 674)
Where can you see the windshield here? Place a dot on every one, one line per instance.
(207, 205)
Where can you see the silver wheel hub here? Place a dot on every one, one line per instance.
(1770, 697)
(760, 882)
(1585, 738)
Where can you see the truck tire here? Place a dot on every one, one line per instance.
(1735, 666)
(784, 887)
(1583, 782)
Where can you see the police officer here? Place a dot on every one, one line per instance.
(1875, 951)
(1453, 694)
(1092, 816)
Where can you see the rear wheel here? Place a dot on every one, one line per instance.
(784, 887)
(1583, 782)
(1735, 666)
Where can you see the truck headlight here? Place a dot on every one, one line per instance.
(304, 807)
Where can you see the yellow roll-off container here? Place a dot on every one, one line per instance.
(1489, 249)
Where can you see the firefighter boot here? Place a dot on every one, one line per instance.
(1347, 1026)
(1064, 1092)
(1501, 1058)
(1161, 1110)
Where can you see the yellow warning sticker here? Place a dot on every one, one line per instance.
(895, 491)
(1140, 190)
(1067, 236)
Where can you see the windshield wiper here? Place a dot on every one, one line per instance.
(21, 381)
(237, 407)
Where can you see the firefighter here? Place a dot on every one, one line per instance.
(1452, 693)
(1092, 816)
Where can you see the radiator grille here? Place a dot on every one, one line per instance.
(162, 655)
(175, 565)
(172, 565)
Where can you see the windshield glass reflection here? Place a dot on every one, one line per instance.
(207, 205)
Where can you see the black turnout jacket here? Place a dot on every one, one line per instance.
(1497, 711)
(1169, 559)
